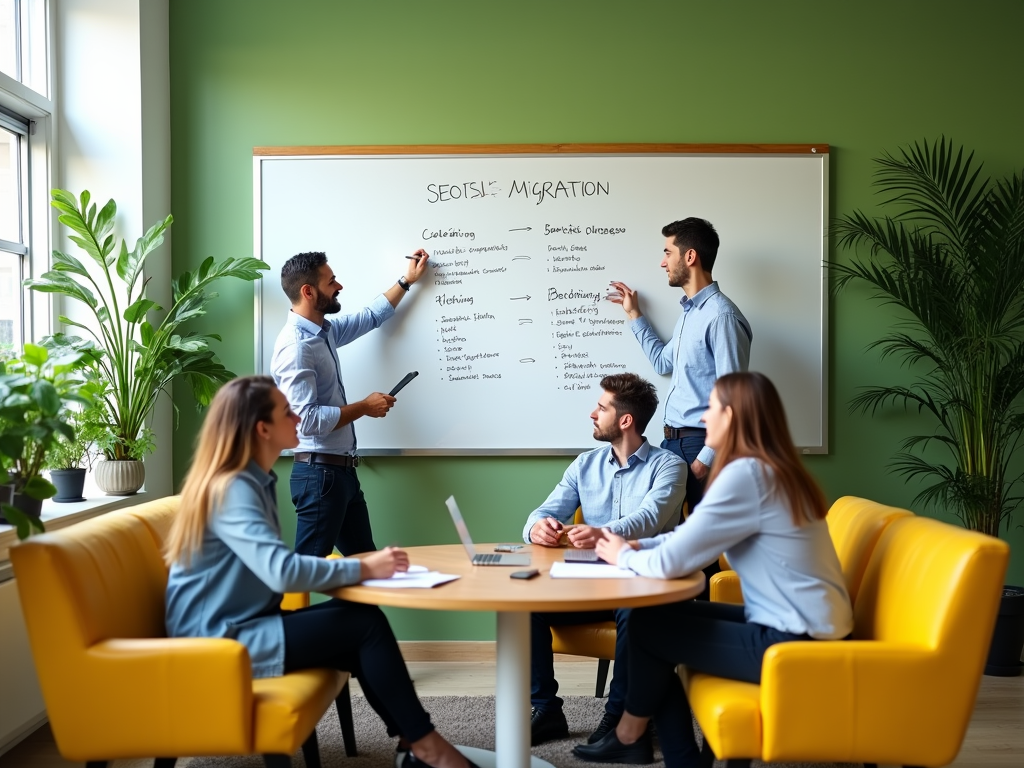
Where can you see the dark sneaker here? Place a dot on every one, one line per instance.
(611, 750)
(546, 725)
(608, 723)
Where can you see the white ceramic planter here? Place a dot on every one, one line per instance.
(120, 478)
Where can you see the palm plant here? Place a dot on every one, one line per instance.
(951, 255)
(138, 359)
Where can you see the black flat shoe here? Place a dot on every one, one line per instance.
(611, 750)
(411, 761)
(607, 724)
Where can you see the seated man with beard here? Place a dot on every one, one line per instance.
(628, 487)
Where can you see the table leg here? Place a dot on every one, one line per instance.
(512, 691)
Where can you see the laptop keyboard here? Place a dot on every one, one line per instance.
(486, 559)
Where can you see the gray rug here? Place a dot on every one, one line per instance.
(466, 720)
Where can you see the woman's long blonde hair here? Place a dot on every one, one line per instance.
(759, 430)
(223, 448)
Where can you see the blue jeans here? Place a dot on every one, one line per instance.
(330, 510)
(708, 637)
(687, 449)
(544, 687)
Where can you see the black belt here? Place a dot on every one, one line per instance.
(327, 458)
(677, 433)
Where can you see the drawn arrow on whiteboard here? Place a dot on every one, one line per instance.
(521, 257)
(524, 320)
(521, 229)
(518, 298)
(527, 360)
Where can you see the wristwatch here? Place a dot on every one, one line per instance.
(403, 283)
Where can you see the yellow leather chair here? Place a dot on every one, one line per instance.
(855, 525)
(116, 687)
(901, 691)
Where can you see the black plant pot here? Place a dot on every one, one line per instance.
(1008, 638)
(27, 504)
(6, 497)
(69, 484)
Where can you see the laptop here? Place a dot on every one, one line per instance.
(467, 542)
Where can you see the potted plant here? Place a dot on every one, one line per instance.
(950, 254)
(35, 393)
(69, 460)
(138, 359)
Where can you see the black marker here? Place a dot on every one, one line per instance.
(398, 387)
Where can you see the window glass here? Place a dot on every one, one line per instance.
(10, 187)
(9, 38)
(33, 45)
(10, 303)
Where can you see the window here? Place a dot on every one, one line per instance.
(13, 228)
(25, 131)
(23, 36)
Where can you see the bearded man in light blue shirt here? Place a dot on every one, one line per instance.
(711, 338)
(626, 487)
(329, 504)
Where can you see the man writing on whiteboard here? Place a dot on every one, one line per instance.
(329, 505)
(628, 487)
(711, 338)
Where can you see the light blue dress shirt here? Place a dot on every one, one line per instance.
(305, 367)
(790, 575)
(711, 338)
(234, 585)
(642, 498)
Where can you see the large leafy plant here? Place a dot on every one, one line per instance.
(139, 359)
(949, 253)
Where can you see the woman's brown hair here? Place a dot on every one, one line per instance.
(758, 430)
(223, 449)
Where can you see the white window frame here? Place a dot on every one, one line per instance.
(40, 220)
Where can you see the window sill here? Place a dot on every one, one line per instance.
(56, 516)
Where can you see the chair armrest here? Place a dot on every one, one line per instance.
(163, 696)
(854, 701)
(725, 588)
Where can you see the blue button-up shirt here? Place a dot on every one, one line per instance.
(641, 499)
(711, 338)
(234, 584)
(305, 367)
(790, 574)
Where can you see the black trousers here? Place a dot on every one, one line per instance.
(708, 637)
(687, 448)
(358, 638)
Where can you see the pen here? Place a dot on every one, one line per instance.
(414, 256)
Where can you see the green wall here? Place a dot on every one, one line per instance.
(864, 77)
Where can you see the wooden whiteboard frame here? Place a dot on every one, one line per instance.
(638, 149)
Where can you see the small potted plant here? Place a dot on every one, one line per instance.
(35, 392)
(69, 460)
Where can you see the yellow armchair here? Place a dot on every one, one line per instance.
(901, 692)
(116, 687)
(855, 526)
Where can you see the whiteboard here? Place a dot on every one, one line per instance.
(510, 330)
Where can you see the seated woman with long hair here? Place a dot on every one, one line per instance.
(229, 568)
(764, 510)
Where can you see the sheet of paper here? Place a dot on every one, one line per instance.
(561, 570)
(417, 577)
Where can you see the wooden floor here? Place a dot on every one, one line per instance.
(995, 737)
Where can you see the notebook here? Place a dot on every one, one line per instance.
(467, 542)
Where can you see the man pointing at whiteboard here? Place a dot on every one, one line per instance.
(711, 338)
(329, 503)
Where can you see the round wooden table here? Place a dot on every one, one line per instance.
(489, 588)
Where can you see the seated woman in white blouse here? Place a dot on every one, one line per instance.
(764, 510)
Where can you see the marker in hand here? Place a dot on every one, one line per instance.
(408, 377)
